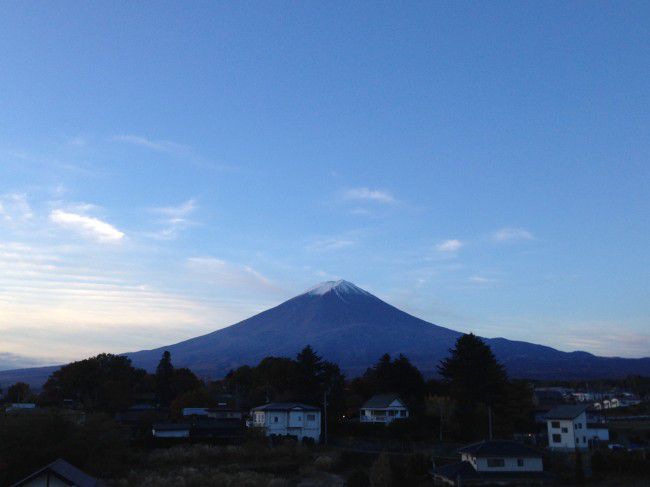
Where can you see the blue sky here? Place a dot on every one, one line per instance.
(167, 169)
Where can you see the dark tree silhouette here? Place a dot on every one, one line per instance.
(164, 375)
(19, 392)
(476, 381)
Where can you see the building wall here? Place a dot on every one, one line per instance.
(510, 465)
(601, 434)
(367, 415)
(172, 434)
(295, 423)
(576, 434)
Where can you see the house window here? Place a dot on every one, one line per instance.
(565, 430)
(496, 462)
(275, 419)
(520, 462)
(402, 413)
(557, 438)
(577, 440)
(584, 439)
(555, 424)
(311, 417)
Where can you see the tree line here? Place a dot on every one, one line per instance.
(472, 392)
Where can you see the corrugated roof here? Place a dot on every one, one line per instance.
(568, 411)
(500, 448)
(381, 401)
(285, 406)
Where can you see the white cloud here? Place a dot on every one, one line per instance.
(512, 235)
(175, 218)
(156, 145)
(228, 275)
(368, 194)
(481, 280)
(452, 245)
(15, 207)
(324, 244)
(177, 212)
(61, 300)
(88, 226)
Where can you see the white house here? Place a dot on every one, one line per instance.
(567, 427)
(494, 462)
(288, 419)
(383, 408)
(171, 430)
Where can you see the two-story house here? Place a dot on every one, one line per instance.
(494, 462)
(567, 427)
(288, 419)
(383, 408)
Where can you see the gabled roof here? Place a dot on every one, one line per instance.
(500, 448)
(382, 401)
(285, 406)
(566, 412)
(65, 471)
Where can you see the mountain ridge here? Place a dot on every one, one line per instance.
(352, 327)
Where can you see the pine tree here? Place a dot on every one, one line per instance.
(475, 380)
(164, 376)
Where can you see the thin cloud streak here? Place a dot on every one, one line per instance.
(452, 245)
(227, 274)
(367, 194)
(87, 226)
(156, 145)
(510, 234)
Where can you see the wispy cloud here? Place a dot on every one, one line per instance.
(226, 274)
(156, 145)
(325, 244)
(367, 194)
(15, 207)
(451, 245)
(481, 280)
(175, 218)
(510, 234)
(87, 226)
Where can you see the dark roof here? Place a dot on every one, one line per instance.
(170, 426)
(500, 448)
(566, 412)
(465, 471)
(66, 472)
(285, 406)
(597, 426)
(381, 401)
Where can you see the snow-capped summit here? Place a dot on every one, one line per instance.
(340, 287)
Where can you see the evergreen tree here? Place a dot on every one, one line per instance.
(19, 392)
(476, 381)
(164, 376)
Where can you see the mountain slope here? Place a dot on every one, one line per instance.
(353, 328)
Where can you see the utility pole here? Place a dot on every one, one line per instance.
(490, 422)
(325, 417)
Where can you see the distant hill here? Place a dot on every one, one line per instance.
(353, 328)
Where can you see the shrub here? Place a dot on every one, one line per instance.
(358, 478)
(381, 473)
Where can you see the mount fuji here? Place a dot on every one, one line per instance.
(350, 326)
